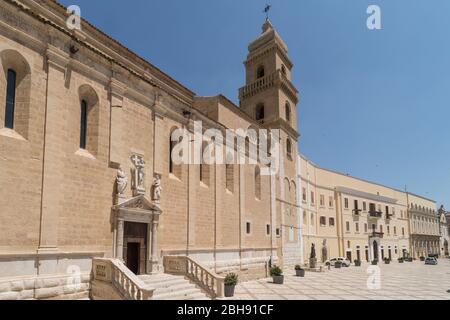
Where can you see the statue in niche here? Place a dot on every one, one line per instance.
(157, 189)
(121, 181)
(324, 251)
(138, 175)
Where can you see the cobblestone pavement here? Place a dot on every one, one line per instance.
(407, 281)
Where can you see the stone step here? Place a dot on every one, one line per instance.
(178, 295)
(157, 284)
(171, 287)
(174, 288)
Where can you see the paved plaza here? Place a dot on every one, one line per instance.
(407, 281)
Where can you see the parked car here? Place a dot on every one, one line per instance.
(344, 261)
(431, 261)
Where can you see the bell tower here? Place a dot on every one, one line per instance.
(269, 96)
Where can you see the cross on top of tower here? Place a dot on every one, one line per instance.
(266, 10)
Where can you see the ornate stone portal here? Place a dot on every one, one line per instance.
(138, 210)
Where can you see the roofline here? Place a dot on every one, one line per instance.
(364, 180)
(62, 10)
(422, 197)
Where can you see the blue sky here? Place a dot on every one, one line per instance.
(375, 104)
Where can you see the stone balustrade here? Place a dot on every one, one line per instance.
(113, 274)
(268, 81)
(209, 281)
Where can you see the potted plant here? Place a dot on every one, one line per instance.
(338, 264)
(374, 262)
(387, 260)
(277, 275)
(357, 263)
(401, 260)
(422, 258)
(299, 271)
(231, 280)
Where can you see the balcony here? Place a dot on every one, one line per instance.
(375, 214)
(357, 212)
(389, 216)
(377, 235)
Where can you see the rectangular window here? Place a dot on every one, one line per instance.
(387, 210)
(395, 230)
(10, 99)
(312, 197)
(268, 229)
(388, 230)
(365, 227)
(304, 194)
(248, 228)
(323, 221)
(357, 227)
(322, 200)
(403, 231)
(372, 207)
(346, 203)
(331, 222)
(364, 206)
(356, 205)
(278, 232)
(347, 226)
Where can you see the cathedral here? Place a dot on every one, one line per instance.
(92, 200)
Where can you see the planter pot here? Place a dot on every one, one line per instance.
(387, 262)
(229, 291)
(374, 263)
(422, 259)
(400, 261)
(278, 279)
(300, 273)
(358, 264)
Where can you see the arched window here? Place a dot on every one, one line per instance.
(89, 115)
(257, 183)
(260, 73)
(15, 92)
(289, 148)
(288, 112)
(10, 98)
(229, 172)
(172, 145)
(83, 123)
(260, 112)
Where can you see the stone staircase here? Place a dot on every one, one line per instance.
(171, 287)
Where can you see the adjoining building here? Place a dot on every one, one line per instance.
(353, 218)
(444, 224)
(86, 130)
(424, 226)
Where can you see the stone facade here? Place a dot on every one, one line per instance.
(110, 189)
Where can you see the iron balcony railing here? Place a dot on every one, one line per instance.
(375, 214)
(375, 234)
